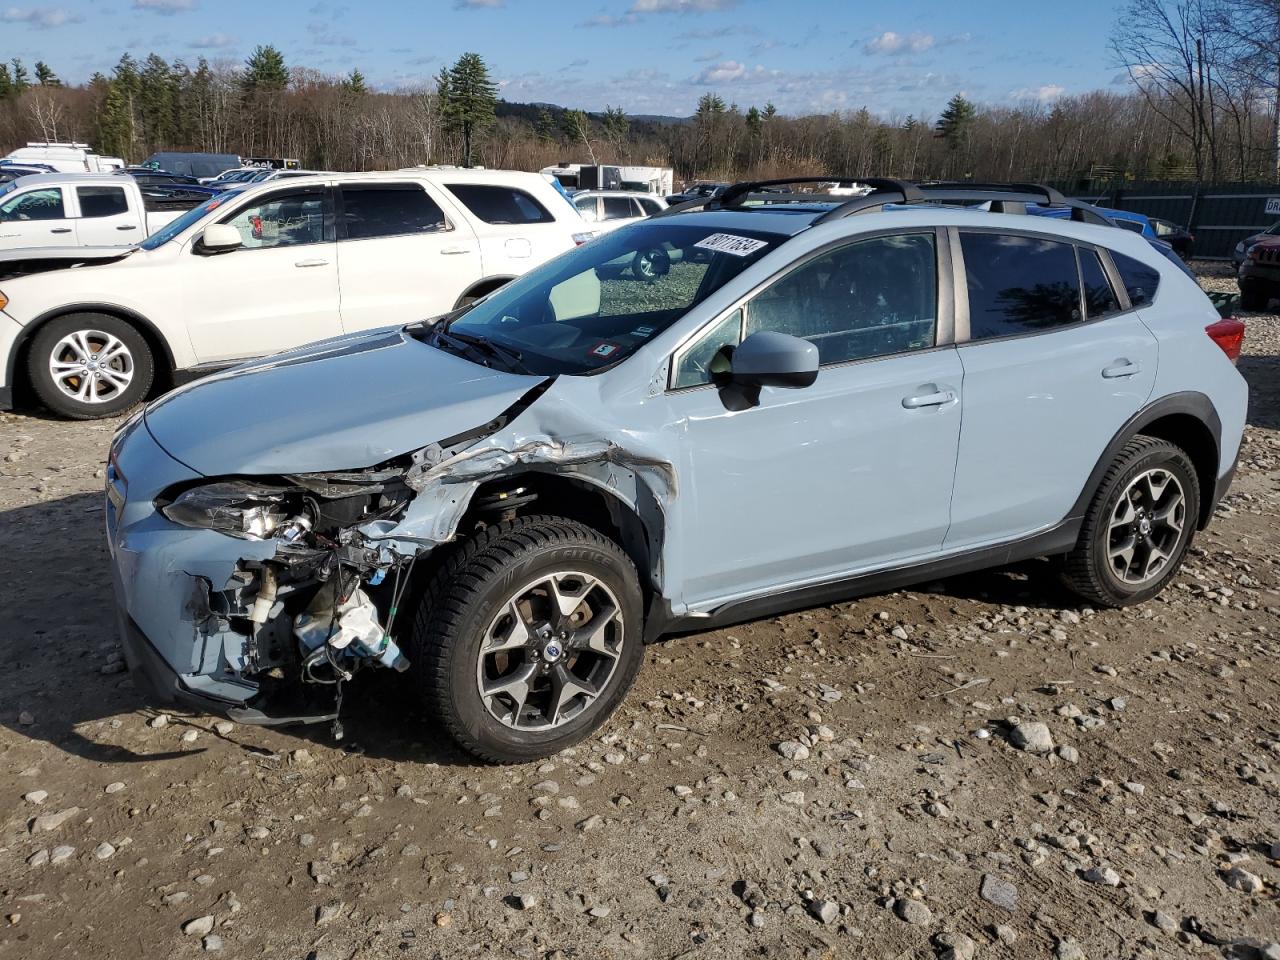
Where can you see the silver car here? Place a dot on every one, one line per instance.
(808, 399)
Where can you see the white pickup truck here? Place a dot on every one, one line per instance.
(82, 210)
(271, 266)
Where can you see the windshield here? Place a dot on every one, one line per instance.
(598, 304)
(175, 227)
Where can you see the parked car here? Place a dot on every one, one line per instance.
(12, 171)
(611, 209)
(83, 210)
(265, 269)
(699, 191)
(65, 157)
(1174, 234)
(1242, 248)
(199, 165)
(228, 178)
(510, 501)
(1259, 275)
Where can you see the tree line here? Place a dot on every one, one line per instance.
(1201, 105)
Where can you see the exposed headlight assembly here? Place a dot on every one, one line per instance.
(238, 508)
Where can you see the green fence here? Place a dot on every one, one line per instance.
(1219, 214)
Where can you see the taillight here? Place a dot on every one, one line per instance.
(1229, 335)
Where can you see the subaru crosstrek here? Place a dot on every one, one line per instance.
(798, 400)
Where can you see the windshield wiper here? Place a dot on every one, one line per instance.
(509, 356)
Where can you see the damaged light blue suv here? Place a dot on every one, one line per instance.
(750, 403)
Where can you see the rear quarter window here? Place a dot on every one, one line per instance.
(495, 204)
(1140, 280)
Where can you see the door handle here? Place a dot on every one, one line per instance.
(1121, 368)
(313, 262)
(452, 251)
(127, 226)
(60, 230)
(936, 399)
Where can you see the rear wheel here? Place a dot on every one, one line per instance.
(1138, 526)
(89, 365)
(529, 638)
(1254, 298)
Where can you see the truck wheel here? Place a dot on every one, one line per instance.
(1138, 526)
(90, 365)
(1254, 298)
(528, 638)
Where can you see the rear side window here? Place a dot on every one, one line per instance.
(389, 210)
(1019, 284)
(618, 208)
(102, 201)
(1139, 280)
(1099, 299)
(494, 204)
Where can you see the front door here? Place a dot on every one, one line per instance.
(1052, 370)
(278, 290)
(36, 218)
(851, 473)
(400, 259)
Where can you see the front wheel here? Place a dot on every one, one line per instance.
(528, 638)
(89, 365)
(1138, 526)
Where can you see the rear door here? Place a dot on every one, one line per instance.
(278, 290)
(1053, 367)
(400, 257)
(37, 217)
(106, 218)
(517, 232)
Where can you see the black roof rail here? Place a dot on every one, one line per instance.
(740, 191)
(1052, 197)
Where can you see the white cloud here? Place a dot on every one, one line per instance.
(1043, 94)
(894, 44)
(681, 6)
(43, 18)
(725, 72)
(213, 41)
(165, 7)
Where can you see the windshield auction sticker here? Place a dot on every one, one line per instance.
(728, 243)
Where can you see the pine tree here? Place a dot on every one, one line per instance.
(6, 82)
(770, 111)
(545, 126)
(264, 71)
(616, 127)
(709, 105)
(910, 123)
(355, 82)
(468, 99)
(754, 122)
(956, 122)
(115, 121)
(20, 78)
(45, 75)
(157, 101)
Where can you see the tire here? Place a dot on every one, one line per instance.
(649, 265)
(81, 338)
(1106, 568)
(1254, 298)
(472, 604)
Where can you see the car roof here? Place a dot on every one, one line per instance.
(643, 194)
(80, 179)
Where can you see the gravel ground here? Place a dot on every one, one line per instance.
(981, 767)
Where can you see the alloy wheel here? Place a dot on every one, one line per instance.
(91, 366)
(1146, 526)
(550, 652)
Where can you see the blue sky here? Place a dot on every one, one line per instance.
(649, 56)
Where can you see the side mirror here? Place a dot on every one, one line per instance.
(771, 359)
(220, 238)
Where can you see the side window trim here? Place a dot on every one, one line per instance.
(944, 324)
(1117, 282)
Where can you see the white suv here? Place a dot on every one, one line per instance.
(264, 269)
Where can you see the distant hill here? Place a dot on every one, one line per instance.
(528, 112)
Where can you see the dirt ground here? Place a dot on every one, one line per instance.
(904, 824)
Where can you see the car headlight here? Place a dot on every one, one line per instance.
(4, 301)
(238, 508)
(1240, 247)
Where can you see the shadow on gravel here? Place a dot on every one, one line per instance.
(1263, 374)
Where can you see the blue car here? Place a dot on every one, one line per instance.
(1138, 223)
(509, 500)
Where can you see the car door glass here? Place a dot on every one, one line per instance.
(587, 208)
(617, 208)
(389, 210)
(1019, 284)
(1099, 299)
(696, 364)
(282, 220)
(35, 205)
(868, 299)
(102, 201)
(496, 204)
(1139, 279)
(648, 207)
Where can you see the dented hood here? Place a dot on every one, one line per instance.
(337, 405)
